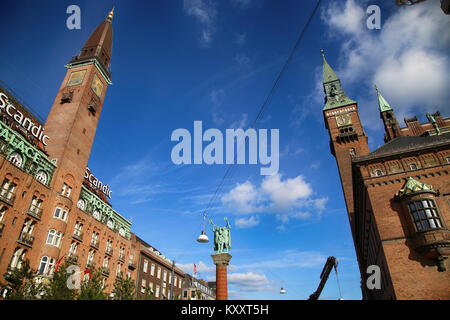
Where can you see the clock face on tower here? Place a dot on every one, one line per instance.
(97, 86)
(343, 120)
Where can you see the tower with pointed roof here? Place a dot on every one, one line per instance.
(74, 116)
(397, 196)
(391, 127)
(347, 136)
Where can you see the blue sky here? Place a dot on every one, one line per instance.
(175, 62)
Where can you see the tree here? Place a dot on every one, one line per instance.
(124, 288)
(21, 283)
(57, 287)
(93, 288)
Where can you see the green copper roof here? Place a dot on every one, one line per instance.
(414, 186)
(382, 103)
(328, 73)
(335, 95)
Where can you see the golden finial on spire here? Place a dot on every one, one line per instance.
(110, 15)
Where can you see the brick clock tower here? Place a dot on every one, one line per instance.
(347, 136)
(73, 118)
(397, 196)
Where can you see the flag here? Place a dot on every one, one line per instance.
(195, 269)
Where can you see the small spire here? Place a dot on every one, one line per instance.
(110, 15)
(382, 103)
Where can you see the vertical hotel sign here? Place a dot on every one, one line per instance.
(24, 122)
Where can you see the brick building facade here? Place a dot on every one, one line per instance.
(154, 273)
(397, 196)
(51, 205)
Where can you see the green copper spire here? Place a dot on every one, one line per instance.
(382, 103)
(328, 73)
(335, 95)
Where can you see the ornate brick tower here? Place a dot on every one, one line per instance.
(391, 127)
(347, 137)
(73, 118)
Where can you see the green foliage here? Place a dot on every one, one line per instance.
(93, 289)
(149, 295)
(21, 284)
(124, 288)
(57, 288)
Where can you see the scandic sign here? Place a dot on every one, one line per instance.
(97, 183)
(26, 123)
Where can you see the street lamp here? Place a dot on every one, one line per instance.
(203, 238)
(282, 291)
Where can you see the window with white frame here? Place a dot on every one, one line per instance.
(60, 214)
(2, 212)
(158, 275)
(165, 276)
(143, 284)
(78, 228)
(73, 248)
(105, 262)
(66, 190)
(145, 266)
(17, 258)
(91, 256)
(8, 188)
(54, 238)
(157, 292)
(118, 270)
(35, 204)
(46, 266)
(152, 270)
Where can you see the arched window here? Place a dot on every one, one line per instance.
(46, 266)
(42, 176)
(16, 159)
(54, 237)
(96, 214)
(18, 258)
(81, 204)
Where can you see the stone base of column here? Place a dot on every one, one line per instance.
(221, 261)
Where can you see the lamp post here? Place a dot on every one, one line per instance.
(171, 283)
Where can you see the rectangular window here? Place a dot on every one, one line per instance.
(60, 214)
(157, 292)
(165, 276)
(145, 266)
(425, 215)
(152, 270)
(159, 273)
(143, 285)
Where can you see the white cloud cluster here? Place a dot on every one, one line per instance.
(274, 195)
(249, 281)
(407, 59)
(205, 12)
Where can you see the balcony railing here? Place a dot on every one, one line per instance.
(121, 257)
(105, 271)
(94, 244)
(72, 257)
(131, 265)
(109, 251)
(77, 234)
(7, 196)
(26, 239)
(35, 212)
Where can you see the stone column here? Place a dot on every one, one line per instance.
(221, 261)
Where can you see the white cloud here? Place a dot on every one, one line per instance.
(249, 281)
(204, 11)
(242, 59)
(242, 198)
(292, 197)
(285, 194)
(243, 223)
(201, 267)
(407, 59)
